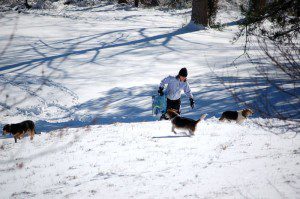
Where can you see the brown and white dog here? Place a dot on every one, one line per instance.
(184, 123)
(238, 116)
(19, 129)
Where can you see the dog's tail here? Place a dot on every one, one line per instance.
(201, 118)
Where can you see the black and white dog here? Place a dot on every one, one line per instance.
(238, 116)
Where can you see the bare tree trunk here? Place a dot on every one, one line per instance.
(27, 5)
(212, 11)
(136, 3)
(257, 5)
(298, 9)
(200, 12)
(154, 3)
(122, 1)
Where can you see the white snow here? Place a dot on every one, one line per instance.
(146, 160)
(86, 76)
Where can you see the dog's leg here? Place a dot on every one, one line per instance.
(240, 121)
(16, 137)
(222, 119)
(191, 132)
(173, 129)
(31, 134)
(21, 135)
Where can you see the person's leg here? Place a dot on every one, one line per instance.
(174, 104)
(169, 105)
(177, 105)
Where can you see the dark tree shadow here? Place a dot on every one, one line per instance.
(71, 49)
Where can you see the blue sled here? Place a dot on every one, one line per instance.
(159, 104)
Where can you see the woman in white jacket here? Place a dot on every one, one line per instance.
(175, 84)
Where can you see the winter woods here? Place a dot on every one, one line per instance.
(273, 30)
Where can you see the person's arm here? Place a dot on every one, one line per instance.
(188, 91)
(164, 82)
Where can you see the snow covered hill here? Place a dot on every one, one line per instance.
(86, 76)
(105, 63)
(146, 160)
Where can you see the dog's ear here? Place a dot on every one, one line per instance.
(170, 109)
(247, 112)
(5, 129)
(172, 112)
(7, 126)
(244, 111)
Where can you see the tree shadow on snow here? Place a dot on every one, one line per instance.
(134, 104)
(131, 104)
(125, 105)
(69, 47)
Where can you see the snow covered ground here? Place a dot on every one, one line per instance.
(146, 160)
(86, 76)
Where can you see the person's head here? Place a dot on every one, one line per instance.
(183, 74)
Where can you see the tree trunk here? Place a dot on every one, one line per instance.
(257, 5)
(154, 3)
(199, 12)
(27, 5)
(136, 3)
(122, 1)
(212, 11)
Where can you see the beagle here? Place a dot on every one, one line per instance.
(179, 122)
(238, 116)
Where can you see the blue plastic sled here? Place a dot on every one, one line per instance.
(159, 105)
